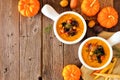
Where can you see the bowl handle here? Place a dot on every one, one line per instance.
(114, 39)
(49, 12)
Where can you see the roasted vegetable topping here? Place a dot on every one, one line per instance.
(99, 51)
(96, 52)
(69, 27)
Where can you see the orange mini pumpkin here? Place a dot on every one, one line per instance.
(90, 7)
(28, 8)
(71, 72)
(108, 17)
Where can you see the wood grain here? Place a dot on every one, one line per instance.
(71, 55)
(52, 51)
(30, 47)
(9, 40)
(27, 52)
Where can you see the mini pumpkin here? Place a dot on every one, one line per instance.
(108, 17)
(28, 8)
(90, 7)
(71, 72)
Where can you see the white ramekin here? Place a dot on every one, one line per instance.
(48, 11)
(114, 39)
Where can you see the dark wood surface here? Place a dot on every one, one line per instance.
(27, 52)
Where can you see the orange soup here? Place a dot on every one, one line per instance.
(70, 27)
(95, 53)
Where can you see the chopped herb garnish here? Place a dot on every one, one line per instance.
(95, 51)
(48, 28)
(68, 26)
(99, 51)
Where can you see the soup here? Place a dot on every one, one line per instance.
(95, 53)
(70, 27)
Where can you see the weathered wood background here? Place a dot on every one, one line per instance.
(27, 52)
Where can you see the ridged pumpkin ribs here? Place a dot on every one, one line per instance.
(90, 7)
(28, 8)
(108, 17)
(71, 72)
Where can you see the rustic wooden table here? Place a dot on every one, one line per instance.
(27, 52)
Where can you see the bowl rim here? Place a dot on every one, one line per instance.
(70, 42)
(83, 62)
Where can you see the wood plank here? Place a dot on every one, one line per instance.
(52, 49)
(71, 54)
(9, 40)
(30, 48)
(52, 57)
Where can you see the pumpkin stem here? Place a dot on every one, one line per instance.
(93, 3)
(111, 16)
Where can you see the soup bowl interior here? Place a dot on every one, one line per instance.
(65, 41)
(83, 61)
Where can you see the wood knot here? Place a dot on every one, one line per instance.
(5, 70)
(39, 78)
(51, 37)
(9, 35)
(35, 29)
(29, 58)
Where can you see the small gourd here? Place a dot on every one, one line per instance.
(71, 72)
(90, 7)
(28, 8)
(64, 3)
(108, 17)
